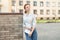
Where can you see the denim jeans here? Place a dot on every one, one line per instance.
(33, 36)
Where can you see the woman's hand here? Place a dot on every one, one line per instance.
(30, 34)
(28, 28)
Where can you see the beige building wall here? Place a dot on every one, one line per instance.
(52, 7)
(5, 6)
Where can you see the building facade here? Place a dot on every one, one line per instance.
(45, 9)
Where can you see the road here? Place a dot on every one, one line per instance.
(48, 31)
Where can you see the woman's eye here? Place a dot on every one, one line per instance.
(27, 7)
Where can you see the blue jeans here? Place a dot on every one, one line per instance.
(33, 36)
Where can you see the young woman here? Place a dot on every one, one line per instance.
(29, 23)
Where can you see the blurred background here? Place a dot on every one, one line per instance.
(46, 10)
(47, 13)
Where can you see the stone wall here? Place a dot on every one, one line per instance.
(11, 27)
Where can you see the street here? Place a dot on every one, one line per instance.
(48, 31)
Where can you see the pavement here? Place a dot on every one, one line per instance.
(48, 31)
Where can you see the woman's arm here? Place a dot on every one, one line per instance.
(24, 27)
(33, 25)
(32, 29)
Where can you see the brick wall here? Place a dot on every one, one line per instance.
(11, 27)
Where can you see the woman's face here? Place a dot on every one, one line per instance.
(27, 7)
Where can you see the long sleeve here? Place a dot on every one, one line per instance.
(23, 22)
(34, 21)
(29, 21)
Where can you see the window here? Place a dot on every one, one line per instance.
(47, 4)
(21, 10)
(28, 2)
(0, 0)
(53, 4)
(58, 4)
(20, 3)
(35, 11)
(13, 2)
(41, 11)
(0, 9)
(41, 4)
(34, 3)
(41, 18)
(53, 12)
(53, 17)
(47, 12)
(58, 17)
(58, 11)
(13, 11)
(47, 18)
